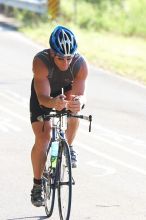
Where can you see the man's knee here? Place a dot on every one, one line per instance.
(42, 133)
(42, 140)
(73, 122)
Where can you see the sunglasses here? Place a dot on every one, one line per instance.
(68, 58)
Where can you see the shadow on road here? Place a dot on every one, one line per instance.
(30, 217)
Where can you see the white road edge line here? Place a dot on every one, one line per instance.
(103, 155)
(114, 144)
(105, 170)
(10, 98)
(114, 133)
(7, 111)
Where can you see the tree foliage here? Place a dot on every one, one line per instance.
(102, 1)
(120, 16)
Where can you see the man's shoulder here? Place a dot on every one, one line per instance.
(44, 52)
(79, 59)
(44, 57)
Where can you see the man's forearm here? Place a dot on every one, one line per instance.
(47, 101)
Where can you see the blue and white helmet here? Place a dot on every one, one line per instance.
(63, 41)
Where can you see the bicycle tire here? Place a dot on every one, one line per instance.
(65, 183)
(49, 187)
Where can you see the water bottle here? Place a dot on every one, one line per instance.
(54, 153)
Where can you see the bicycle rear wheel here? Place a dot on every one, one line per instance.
(49, 187)
(65, 183)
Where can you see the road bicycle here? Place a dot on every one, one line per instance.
(57, 175)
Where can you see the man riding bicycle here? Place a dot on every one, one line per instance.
(55, 68)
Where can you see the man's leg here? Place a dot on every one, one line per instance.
(72, 127)
(38, 157)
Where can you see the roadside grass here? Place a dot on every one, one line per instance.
(116, 53)
(119, 54)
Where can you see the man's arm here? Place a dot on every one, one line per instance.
(78, 89)
(42, 87)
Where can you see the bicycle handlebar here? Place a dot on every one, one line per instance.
(64, 112)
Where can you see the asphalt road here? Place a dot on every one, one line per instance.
(111, 174)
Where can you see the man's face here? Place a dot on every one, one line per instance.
(62, 62)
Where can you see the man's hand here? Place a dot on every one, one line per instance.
(60, 102)
(74, 105)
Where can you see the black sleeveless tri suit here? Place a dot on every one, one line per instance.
(58, 79)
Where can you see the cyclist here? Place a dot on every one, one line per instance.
(55, 68)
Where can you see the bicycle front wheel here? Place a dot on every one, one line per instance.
(65, 183)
